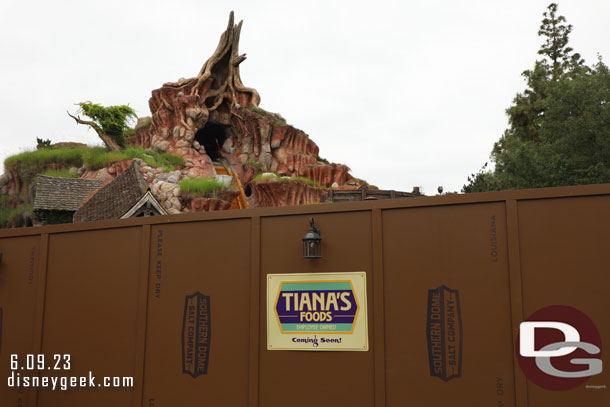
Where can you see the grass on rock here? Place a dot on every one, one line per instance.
(64, 173)
(267, 177)
(202, 187)
(95, 158)
(30, 163)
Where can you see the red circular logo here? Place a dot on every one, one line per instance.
(559, 348)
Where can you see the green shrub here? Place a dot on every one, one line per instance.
(6, 214)
(201, 187)
(113, 120)
(40, 143)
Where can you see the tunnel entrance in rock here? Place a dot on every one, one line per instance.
(211, 137)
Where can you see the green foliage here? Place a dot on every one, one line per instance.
(258, 110)
(95, 158)
(147, 121)
(275, 118)
(63, 173)
(30, 163)
(5, 200)
(269, 176)
(113, 120)
(559, 130)
(7, 215)
(254, 164)
(302, 180)
(40, 143)
(201, 187)
(98, 157)
(264, 177)
(555, 47)
(324, 160)
(481, 181)
(174, 160)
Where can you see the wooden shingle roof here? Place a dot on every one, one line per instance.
(55, 193)
(114, 199)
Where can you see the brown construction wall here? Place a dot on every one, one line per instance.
(112, 296)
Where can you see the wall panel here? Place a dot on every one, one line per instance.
(463, 248)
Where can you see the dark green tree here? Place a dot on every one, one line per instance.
(112, 123)
(41, 143)
(555, 47)
(559, 127)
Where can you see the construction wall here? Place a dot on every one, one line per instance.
(112, 296)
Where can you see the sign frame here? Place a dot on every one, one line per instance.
(319, 336)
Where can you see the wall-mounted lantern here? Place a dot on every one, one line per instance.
(312, 246)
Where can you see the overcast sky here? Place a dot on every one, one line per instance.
(406, 93)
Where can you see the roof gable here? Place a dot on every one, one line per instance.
(115, 198)
(145, 204)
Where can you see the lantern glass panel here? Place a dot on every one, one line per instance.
(311, 242)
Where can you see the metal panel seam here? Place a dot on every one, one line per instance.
(378, 307)
(142, 315)
(41, 298)
(516, 294)
(253, 372)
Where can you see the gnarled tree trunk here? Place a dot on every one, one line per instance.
(180, 109)
(108, 140)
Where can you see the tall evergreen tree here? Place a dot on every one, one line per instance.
(555, 47)
(559, 127)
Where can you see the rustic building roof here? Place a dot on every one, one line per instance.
(114, 199)
(55, 193)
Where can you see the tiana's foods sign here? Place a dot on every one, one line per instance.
(317, 311)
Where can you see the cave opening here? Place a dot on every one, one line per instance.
(211, 137)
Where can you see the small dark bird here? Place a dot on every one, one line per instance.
(440, 190)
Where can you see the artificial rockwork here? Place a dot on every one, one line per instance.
(273, 193)
(215, 124)
(213, 118)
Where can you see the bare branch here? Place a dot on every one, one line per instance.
(108, 140)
